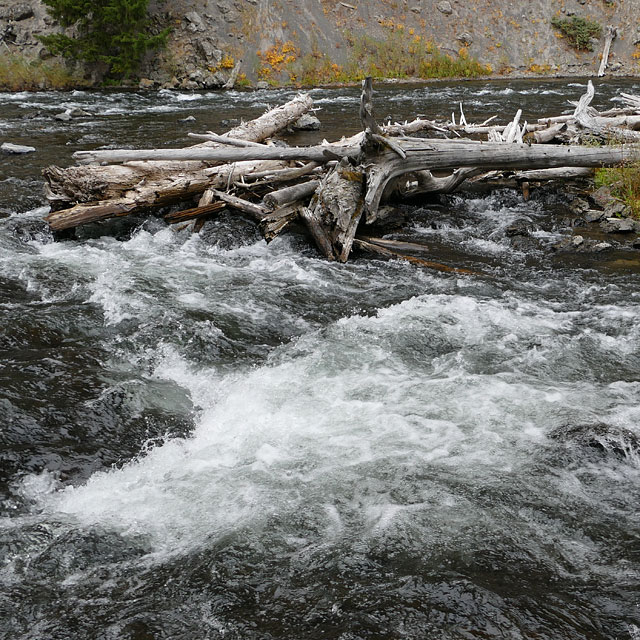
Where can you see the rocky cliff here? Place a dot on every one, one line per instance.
(275, 39)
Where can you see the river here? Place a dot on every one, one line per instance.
(202, 436)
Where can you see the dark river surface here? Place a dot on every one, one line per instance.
(202, 436)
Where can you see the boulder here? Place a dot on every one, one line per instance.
(618, 225)
(444, 7)
(602, 196)
(15, 149)
(601, 436)
(593, 215)
(307, 122)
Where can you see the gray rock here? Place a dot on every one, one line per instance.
(518, 228)
(196, 23)
(593, 215)
(307, 122)
(8, 147)
(579, 206)
(262, 85)
(209, 52)
(602, 246)
(63, 117)
(615, 209)
(416, 9)
(465, 38)
(18, 12)
(576, 241)
(76, 112)
(618, 225)
(444, 7)
(602, 197)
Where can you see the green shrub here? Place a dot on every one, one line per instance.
(401, 54)
(578, 31)
(624, 183)
(18, 73)
(113, 32)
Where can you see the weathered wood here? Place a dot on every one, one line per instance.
(294, 193)
(232, 142)
(231, 82)
(194, 213)
(273, 224)
(319, 153)
(256, 211)
(550, 133)
(145, 196)
(610, 34)
(585, 118)
(93, 184)
(426, 182)
(372, 245)
(366, 107)
(274, 120)
(318, 232)
(488, 155)
(338, 206)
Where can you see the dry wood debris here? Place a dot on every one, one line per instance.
(336, 189)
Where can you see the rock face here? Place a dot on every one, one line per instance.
(210, 35)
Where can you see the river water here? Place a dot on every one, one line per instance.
(202, 436)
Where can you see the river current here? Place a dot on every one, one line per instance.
(202, 436)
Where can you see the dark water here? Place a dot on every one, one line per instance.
(202, 436)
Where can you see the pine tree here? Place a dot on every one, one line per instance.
(114, 32)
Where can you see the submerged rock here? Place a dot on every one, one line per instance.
(605, 437)
(307, 122)
(10, 148)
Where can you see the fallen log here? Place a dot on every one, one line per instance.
(610, 35)
(320, 153)
(487, 155)
(290, 194)
(342, 184)
(74, 185)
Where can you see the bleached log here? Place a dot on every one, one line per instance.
(587, 120)
(285, 175)
(256, 211)
(366, 108)
(274, 120)
(273, 224)
(338, 206)
(318, 232)
(549, 134)
(373, 245)
(610, 34)
(426, 182)
(489, 155)
(290, 194)
(93, 184)
(232, 142)
(231, 82)
(319, 153)
(562, 173)
(194, 213)
(148, 195)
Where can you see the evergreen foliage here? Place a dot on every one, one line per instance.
(114, 32)
(578, 31)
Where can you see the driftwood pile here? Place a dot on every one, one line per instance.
(335, 189)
